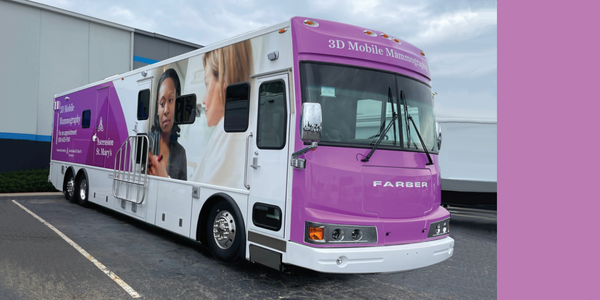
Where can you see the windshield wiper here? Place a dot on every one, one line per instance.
(394, 116)
(421, 139)
(381, 128)
(384, 132)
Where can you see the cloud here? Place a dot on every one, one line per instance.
(464, 64)
(132, 18)
(457, 26)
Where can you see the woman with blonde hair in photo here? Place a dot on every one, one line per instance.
(223, 67)
(221, 162)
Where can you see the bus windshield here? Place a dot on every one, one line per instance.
(358, 104)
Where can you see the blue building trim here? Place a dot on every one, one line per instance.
(25, 136)
(144, 60)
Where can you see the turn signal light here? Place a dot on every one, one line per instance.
(315, 233)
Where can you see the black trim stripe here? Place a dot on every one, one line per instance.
(267, 241)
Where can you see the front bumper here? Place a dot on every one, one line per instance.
(379, 259)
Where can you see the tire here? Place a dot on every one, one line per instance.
(70, 188)
(81, 191)
(225, 232)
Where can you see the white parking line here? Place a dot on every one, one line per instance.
(100, 266)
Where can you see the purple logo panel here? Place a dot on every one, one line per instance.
(89, 127)
(397, 192)
(342, 40)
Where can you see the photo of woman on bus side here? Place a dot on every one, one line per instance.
(222, 159)
(222, 67)
(170, 161)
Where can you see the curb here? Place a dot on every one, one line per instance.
(45, 196)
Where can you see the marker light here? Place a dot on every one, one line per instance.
(370, 33)
(315, 233)
(397, 41)
(282, 30)
(385, 36)
(311, 23)
(422, 53)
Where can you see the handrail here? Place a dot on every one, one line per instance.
(127, 172)
(246, 164)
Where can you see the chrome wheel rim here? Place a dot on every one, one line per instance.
(224, 229)
(71, 187)
(82, 189)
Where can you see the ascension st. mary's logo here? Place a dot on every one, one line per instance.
(100, 127)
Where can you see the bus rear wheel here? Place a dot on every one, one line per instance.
(224, 232)
(70, 188)
(82, 191)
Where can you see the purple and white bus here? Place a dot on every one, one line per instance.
(309, 143)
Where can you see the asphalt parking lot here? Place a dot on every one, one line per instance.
(38, 263)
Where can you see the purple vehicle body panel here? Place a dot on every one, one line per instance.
(72, 143)
(395, 191)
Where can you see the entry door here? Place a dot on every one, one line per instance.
(101, 126)
(269, 155)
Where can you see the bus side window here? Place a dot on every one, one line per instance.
(272, 116)
(86, 115)
(237, 104)
(143, 108)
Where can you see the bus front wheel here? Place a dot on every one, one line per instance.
(224, 232)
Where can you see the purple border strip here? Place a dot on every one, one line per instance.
(548, 201)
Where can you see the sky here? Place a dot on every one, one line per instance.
(459, 37)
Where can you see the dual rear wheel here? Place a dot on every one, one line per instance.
(82, 191)
(76, 190)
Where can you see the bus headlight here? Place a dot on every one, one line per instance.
(320, 233)
(356, 234)
(439, 228)
(337, 234)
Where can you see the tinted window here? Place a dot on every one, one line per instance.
(85, 119)
(237, 103)
(272, 116)
(266, 216)
(143, 104)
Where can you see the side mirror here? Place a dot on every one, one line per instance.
(438, 130)
(312, 122)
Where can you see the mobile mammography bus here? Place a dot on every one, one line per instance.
(308, 143)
